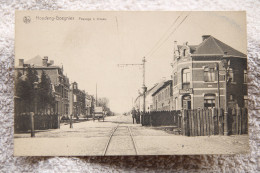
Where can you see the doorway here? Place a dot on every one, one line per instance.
(186, 102)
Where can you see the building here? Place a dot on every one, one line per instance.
(90, 104)
(60, 82)
(79, 101)
(162, 97)
(149, 103)
(204, 74)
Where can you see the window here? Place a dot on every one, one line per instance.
(245, 76)
(186, 78)
(231, 97)
(74, 98)
(231, 75)
(175, 79)
(209, 74)
(176, 103)
(66, 93)
(245, 101)
(209, 101)
(186, 75)
(62, 91)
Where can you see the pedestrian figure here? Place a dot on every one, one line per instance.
(133, 115)
(138, 117)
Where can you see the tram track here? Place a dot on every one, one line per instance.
(120, 129)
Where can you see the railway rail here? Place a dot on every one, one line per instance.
(116, 129)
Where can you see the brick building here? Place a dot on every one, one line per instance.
(162, 97)
(199, 75)
(60, 82)
(90, 104)
(150, 102)
(78, 100)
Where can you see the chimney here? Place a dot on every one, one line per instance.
(204, 37)
(51, 62)
(45, 61)
(21, 62)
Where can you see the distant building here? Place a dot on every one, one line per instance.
(60, 82)
(199, 75)
(79, 101)
(149, 103)
(162, 97)
(90, 102)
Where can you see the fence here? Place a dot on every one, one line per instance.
(22, 122)
(203, 122)
(161, 118)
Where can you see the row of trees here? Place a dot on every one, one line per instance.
(104, 102)
(31, 89)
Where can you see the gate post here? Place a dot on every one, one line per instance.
(32, 124)
(184, 122)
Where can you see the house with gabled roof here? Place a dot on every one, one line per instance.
(162, 97)
(204, 74)
(149, 103)
(59, 81)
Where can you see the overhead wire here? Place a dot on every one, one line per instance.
(163, 35)
(169, 35)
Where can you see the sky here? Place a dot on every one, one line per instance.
(91, 46)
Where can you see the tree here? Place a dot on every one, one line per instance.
(24, 87)
(45, 95)
(103, 102)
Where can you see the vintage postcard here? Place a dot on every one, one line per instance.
(105, 83)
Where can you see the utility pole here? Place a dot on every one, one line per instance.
(143, 86)
(96, 95)
(226, 65)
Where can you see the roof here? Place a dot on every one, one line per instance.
(151, 90)
(37, 63)
(211, 45)
(166, 83)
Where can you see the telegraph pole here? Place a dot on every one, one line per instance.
(96, 95)
(143, 86)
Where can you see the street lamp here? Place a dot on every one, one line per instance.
(226, 65)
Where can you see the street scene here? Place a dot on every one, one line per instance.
(118, 136)
(116, 83)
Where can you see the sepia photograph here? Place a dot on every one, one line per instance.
(109, 83)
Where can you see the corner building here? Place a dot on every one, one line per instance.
(199, 73)
(60, 82)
